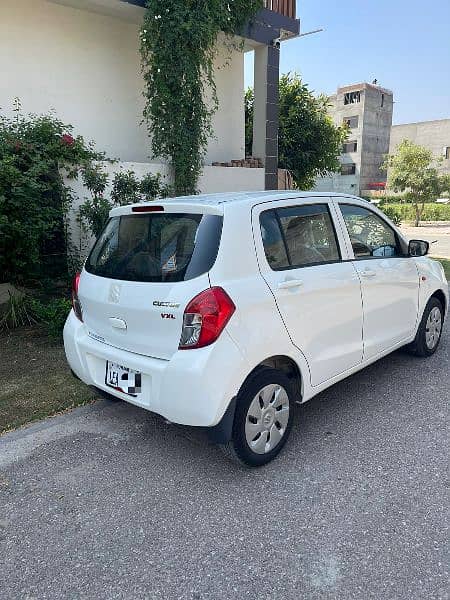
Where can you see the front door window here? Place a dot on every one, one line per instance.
(371, 237)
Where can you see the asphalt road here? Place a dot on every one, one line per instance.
(110, 502)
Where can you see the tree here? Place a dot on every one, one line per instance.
(309, 144)
(412, 170)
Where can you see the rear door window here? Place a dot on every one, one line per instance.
(156, 247)
(299, 236)
(274, 245)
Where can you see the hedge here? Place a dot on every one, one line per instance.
(406, 212)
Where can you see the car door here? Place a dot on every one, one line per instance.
(317, 293)
(389, 278)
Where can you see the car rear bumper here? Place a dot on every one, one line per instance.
(194, 387)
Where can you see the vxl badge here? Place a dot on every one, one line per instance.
(167, 316)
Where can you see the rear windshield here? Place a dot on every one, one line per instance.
(156, 247)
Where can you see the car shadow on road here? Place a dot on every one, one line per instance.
(372, 400)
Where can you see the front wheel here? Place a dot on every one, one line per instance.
(430, 329)
(263, 418)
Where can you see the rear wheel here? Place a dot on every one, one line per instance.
(263, 418)
(430, 329)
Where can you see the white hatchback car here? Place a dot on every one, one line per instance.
(222, 311)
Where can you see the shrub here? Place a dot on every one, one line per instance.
(17, 313)
(94, 213)
(94, 178)
(126, 189)
(25, 310)
(152, 187)
(34, 151)
(52, 314)
(392, 213)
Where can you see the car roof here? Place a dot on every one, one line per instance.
(249, 197)
(215, 202)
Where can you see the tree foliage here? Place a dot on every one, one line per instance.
(178, 48)
(309, 143)
(412, 170)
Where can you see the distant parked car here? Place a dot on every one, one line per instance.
(222, 311)
(443, 200)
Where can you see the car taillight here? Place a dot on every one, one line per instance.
(76, 304)
(205, 318)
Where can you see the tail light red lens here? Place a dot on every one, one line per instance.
(76, 304)
(205, 317)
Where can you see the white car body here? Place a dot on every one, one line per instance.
(326, 321)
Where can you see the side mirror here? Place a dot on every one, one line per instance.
(418, 248)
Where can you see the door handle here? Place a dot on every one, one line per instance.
(289, 283)
(368, 273)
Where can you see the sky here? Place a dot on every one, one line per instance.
(404, 44)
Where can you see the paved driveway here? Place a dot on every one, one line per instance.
(111, 502)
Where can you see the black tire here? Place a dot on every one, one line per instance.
(419, 346)
(237, 448)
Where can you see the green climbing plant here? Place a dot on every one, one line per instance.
(178, 48)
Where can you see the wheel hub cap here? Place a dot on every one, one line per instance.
(433, 328)
(267, 418)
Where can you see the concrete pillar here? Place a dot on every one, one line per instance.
(265, 111)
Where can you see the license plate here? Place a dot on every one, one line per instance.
(123, 379)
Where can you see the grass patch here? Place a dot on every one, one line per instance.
(446, 264)
(35, 380)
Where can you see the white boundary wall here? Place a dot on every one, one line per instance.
(86, 67)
